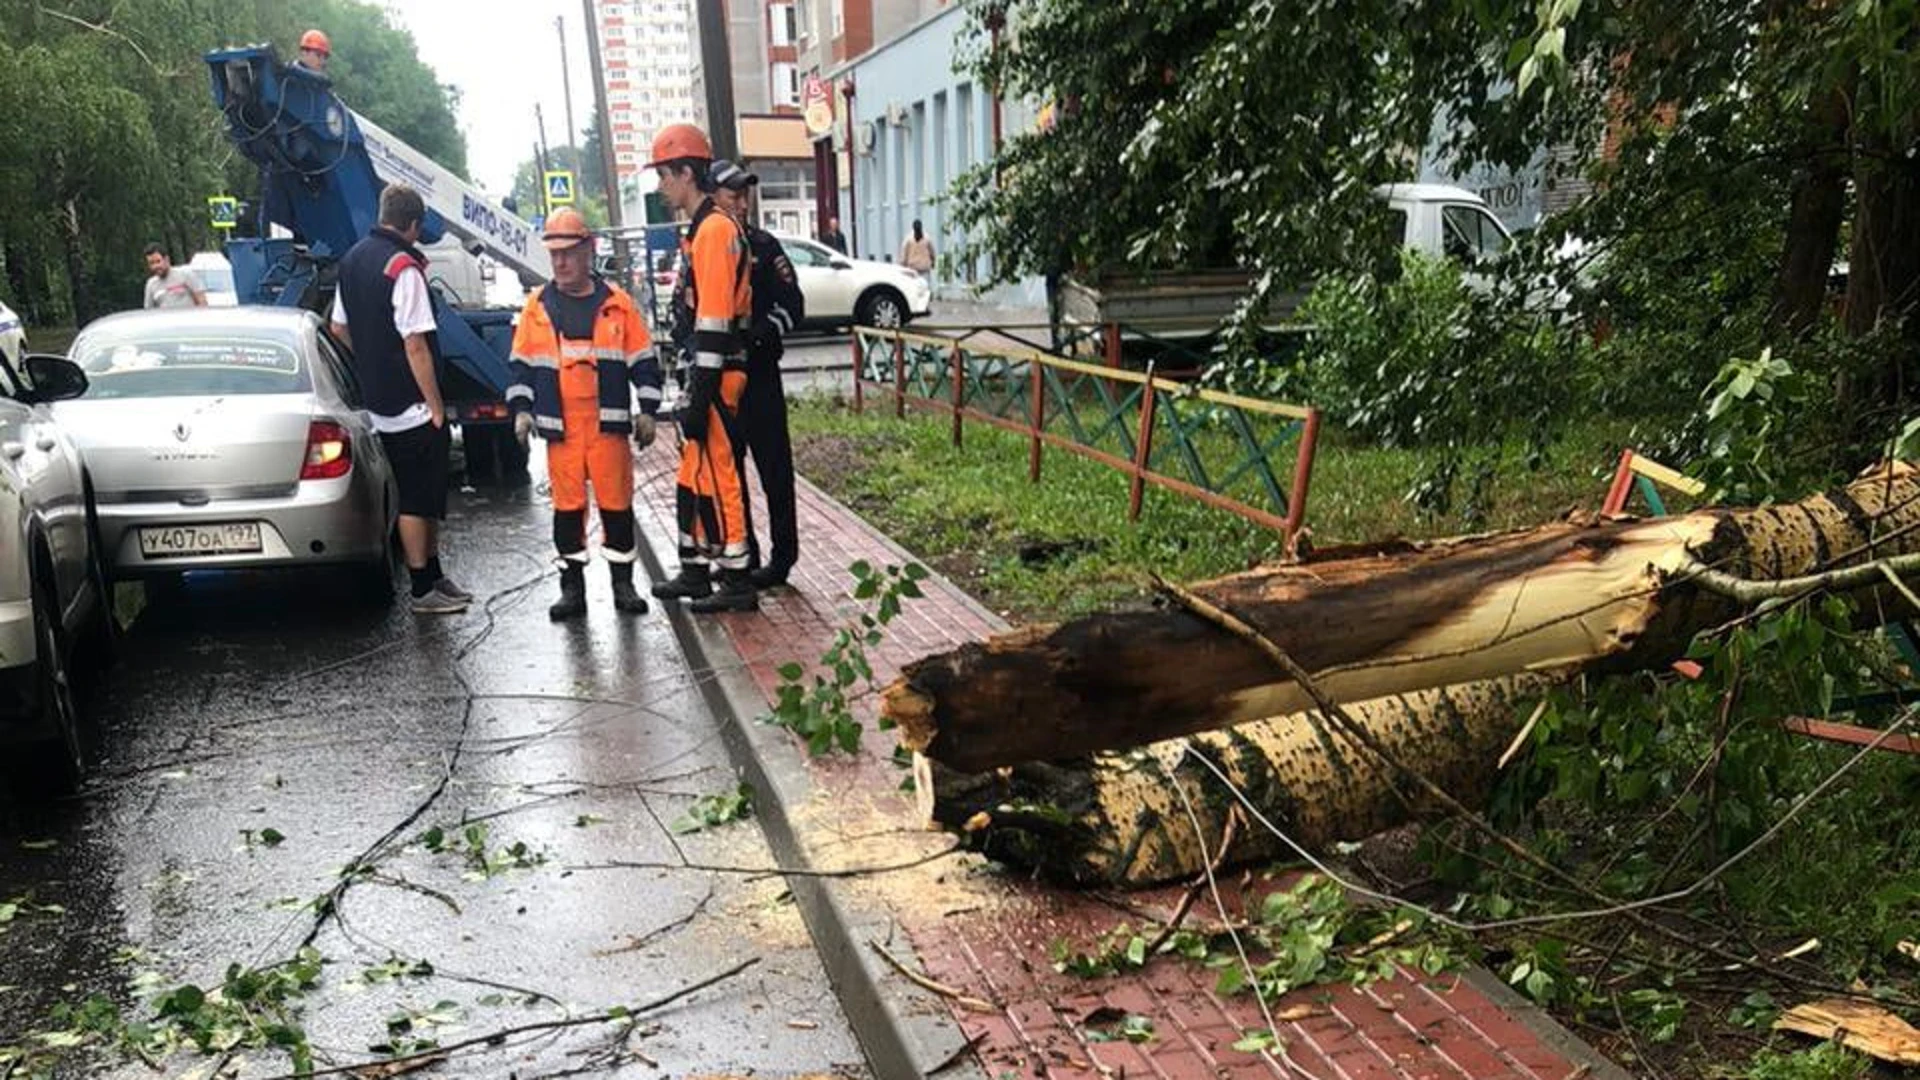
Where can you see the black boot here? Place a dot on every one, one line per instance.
(573, 593)
(694, 582)
(770, 577)
(736, 593)
(624, 597)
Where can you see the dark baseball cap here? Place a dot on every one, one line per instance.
(731, 176)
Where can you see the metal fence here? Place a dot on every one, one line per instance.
(1221, 449)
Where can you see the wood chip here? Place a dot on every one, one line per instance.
(1858, 1026)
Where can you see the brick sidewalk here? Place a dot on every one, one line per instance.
(986, 932)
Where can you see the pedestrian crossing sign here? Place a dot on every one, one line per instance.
(559, 187)
(225, 211)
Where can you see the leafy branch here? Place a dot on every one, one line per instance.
(822, 713)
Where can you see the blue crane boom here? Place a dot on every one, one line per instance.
(322, 167)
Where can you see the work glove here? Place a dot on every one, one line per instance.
(643, 431)
(522, 426)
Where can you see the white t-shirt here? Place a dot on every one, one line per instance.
(412, 314)
(174, 289)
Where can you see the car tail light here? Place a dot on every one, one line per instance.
(329, 452)
(491, 410)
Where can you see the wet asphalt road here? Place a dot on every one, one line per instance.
(248, 703)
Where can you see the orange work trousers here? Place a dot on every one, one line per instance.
(710, 500)
(586, 454)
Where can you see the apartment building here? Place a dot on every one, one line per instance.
(648, 57)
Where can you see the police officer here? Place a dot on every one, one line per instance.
(710, 498)
(778, 307)
(581, 355)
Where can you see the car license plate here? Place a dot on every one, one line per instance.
(175, 541)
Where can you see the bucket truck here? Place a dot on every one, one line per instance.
(322, 167)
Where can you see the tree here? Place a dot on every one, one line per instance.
(588, 192)
(105, 113)
(1197, 132)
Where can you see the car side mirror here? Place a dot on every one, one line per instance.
(840, 264)
(55, 378)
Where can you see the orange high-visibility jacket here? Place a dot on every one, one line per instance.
(722, 300)
(621, 349)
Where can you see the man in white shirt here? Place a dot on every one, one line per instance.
(382, 310)
(170, 286)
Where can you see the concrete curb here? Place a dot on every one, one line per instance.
(903, 1030)
(1537, 1020)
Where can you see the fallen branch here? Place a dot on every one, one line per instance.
(925, 983)
(1633, 909)
(1372, 623)
(1193, 891)
(495, 1038)
(773, 871)
(1749, 591)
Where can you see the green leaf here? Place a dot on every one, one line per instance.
(272, 837)
(791, 671)
(1255, 1041)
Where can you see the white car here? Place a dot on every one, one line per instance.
(13, 336)
(54, 597)
(842, 290)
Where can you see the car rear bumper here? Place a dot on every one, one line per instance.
(323, 521)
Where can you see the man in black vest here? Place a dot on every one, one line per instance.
(778, 307)
(383, 313)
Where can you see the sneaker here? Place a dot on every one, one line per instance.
(446, 586)
(438, 602)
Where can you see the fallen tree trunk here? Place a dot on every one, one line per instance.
(1119, 818)
(1389, 620)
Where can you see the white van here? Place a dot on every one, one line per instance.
(215, 275)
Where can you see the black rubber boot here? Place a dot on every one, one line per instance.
(736, 593)
(694, 582)
(573, 594)
(625, 598)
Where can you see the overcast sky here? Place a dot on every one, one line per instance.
(504, 55)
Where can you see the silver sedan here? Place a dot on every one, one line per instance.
(228, 438)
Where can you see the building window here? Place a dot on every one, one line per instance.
(782, 18)
(786, 85)
(839, 17)
(783, 182)
(803, 14)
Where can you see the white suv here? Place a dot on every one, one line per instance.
(842, 290)
(53, 589)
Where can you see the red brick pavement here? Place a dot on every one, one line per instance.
(1405, 1027)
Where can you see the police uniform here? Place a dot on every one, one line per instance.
(778, 307)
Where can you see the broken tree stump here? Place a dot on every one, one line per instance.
(1374, 622)
(1117, 818)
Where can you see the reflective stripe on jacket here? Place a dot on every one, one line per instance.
(621, 350)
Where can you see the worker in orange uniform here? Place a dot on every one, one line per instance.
(581, 356)
(710, 496)
(315, 51)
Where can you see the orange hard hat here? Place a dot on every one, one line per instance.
(317, 41)
(565, 228)
(678, 141)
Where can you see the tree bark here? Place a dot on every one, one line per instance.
(1813, 223)
(1119, 819)
(1390, 620)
